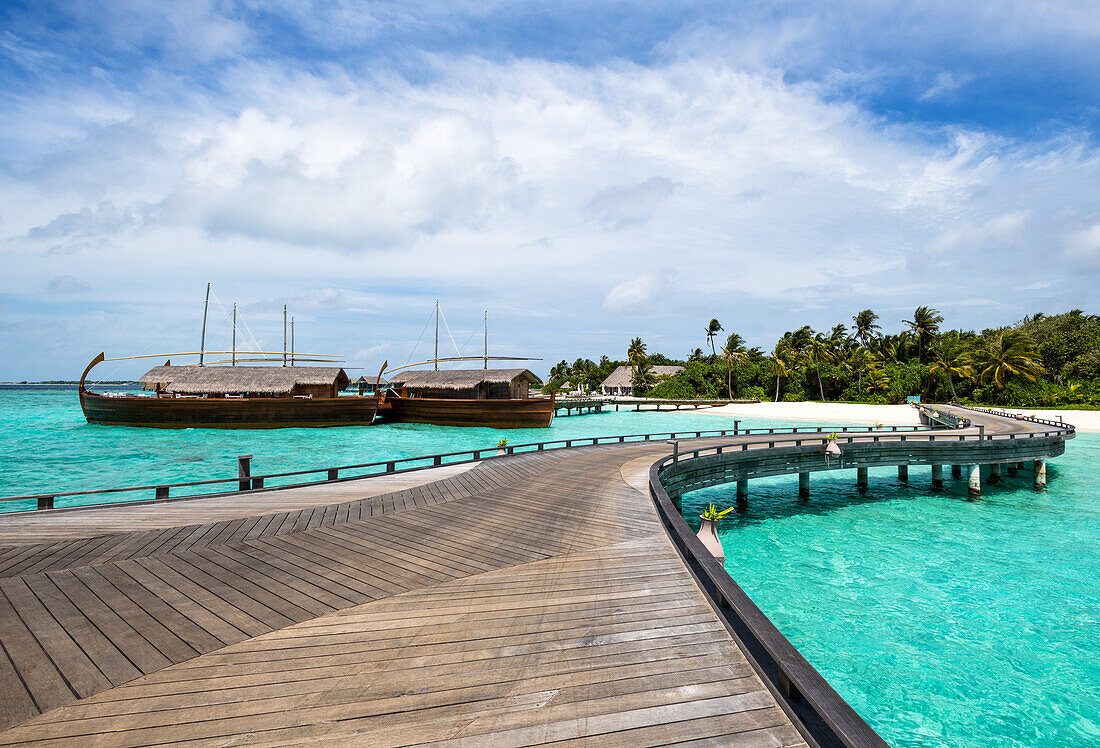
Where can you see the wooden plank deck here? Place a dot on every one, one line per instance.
(528, 599)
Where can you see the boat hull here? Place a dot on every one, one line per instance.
(228, 413)
(497, 414)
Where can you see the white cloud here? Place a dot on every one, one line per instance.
(634, 295)
(522, 186)
(1083, 245)
(944, 84)
(1006, 228)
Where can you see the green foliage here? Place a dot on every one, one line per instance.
(1041, 362)
(712, 513)
(754, 393)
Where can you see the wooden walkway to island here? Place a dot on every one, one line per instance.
(530, 599)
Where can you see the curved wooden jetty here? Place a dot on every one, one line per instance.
(534, 598)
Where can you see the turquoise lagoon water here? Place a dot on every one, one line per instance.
(944, 622)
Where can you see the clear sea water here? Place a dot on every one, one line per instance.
(944, 622)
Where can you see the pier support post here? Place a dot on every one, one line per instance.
(1013, 468)
(742, 493)
(974, 485)
(861, 477)
(956, 471)
(1040, 469)
(903, 473)
(937, 477)
(995, 473)
(244, 472)
(803, 485)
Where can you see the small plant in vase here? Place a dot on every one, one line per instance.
(708, 531)
(502, 447)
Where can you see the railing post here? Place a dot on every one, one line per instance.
(437, 460)
(391, 466)
(981, 433)
(257, 483)
(162, 492)
(244, 470)
(675, 451)
(333, 473)
(45, 502)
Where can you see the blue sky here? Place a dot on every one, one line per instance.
(586, 172)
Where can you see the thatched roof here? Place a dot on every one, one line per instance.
(461, 379)
(371, 380)
(621, 376)
(240, 380)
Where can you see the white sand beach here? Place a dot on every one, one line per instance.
(890, 415)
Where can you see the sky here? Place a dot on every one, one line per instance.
(584, 172)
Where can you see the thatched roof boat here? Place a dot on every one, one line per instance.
(236, 397)
(498, 398)
(256, 381)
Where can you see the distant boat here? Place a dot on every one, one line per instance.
(235, 396)
(494, 398)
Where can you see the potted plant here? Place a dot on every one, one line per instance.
(502, 447)
(708, 531)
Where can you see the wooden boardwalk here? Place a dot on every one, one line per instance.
(526, 600)
(529, 599)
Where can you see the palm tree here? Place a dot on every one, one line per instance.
(780, 365)
(713, 328)
(734, 350)
(925, 323)
(865, 327)
(642, 376)
(696, 355)
(1011, 353)
(951, 357)
(861, 361)
(819, 349)
(877, 380)
(635, 354)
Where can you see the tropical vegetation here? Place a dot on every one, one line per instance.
(1040, 361)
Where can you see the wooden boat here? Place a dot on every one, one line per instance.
(233, 397)
(494, 398)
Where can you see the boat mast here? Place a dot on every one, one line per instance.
(435, 360)
(205, 307)
(284, 334)
(234, 333)
(486, 340)
(292, 341)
